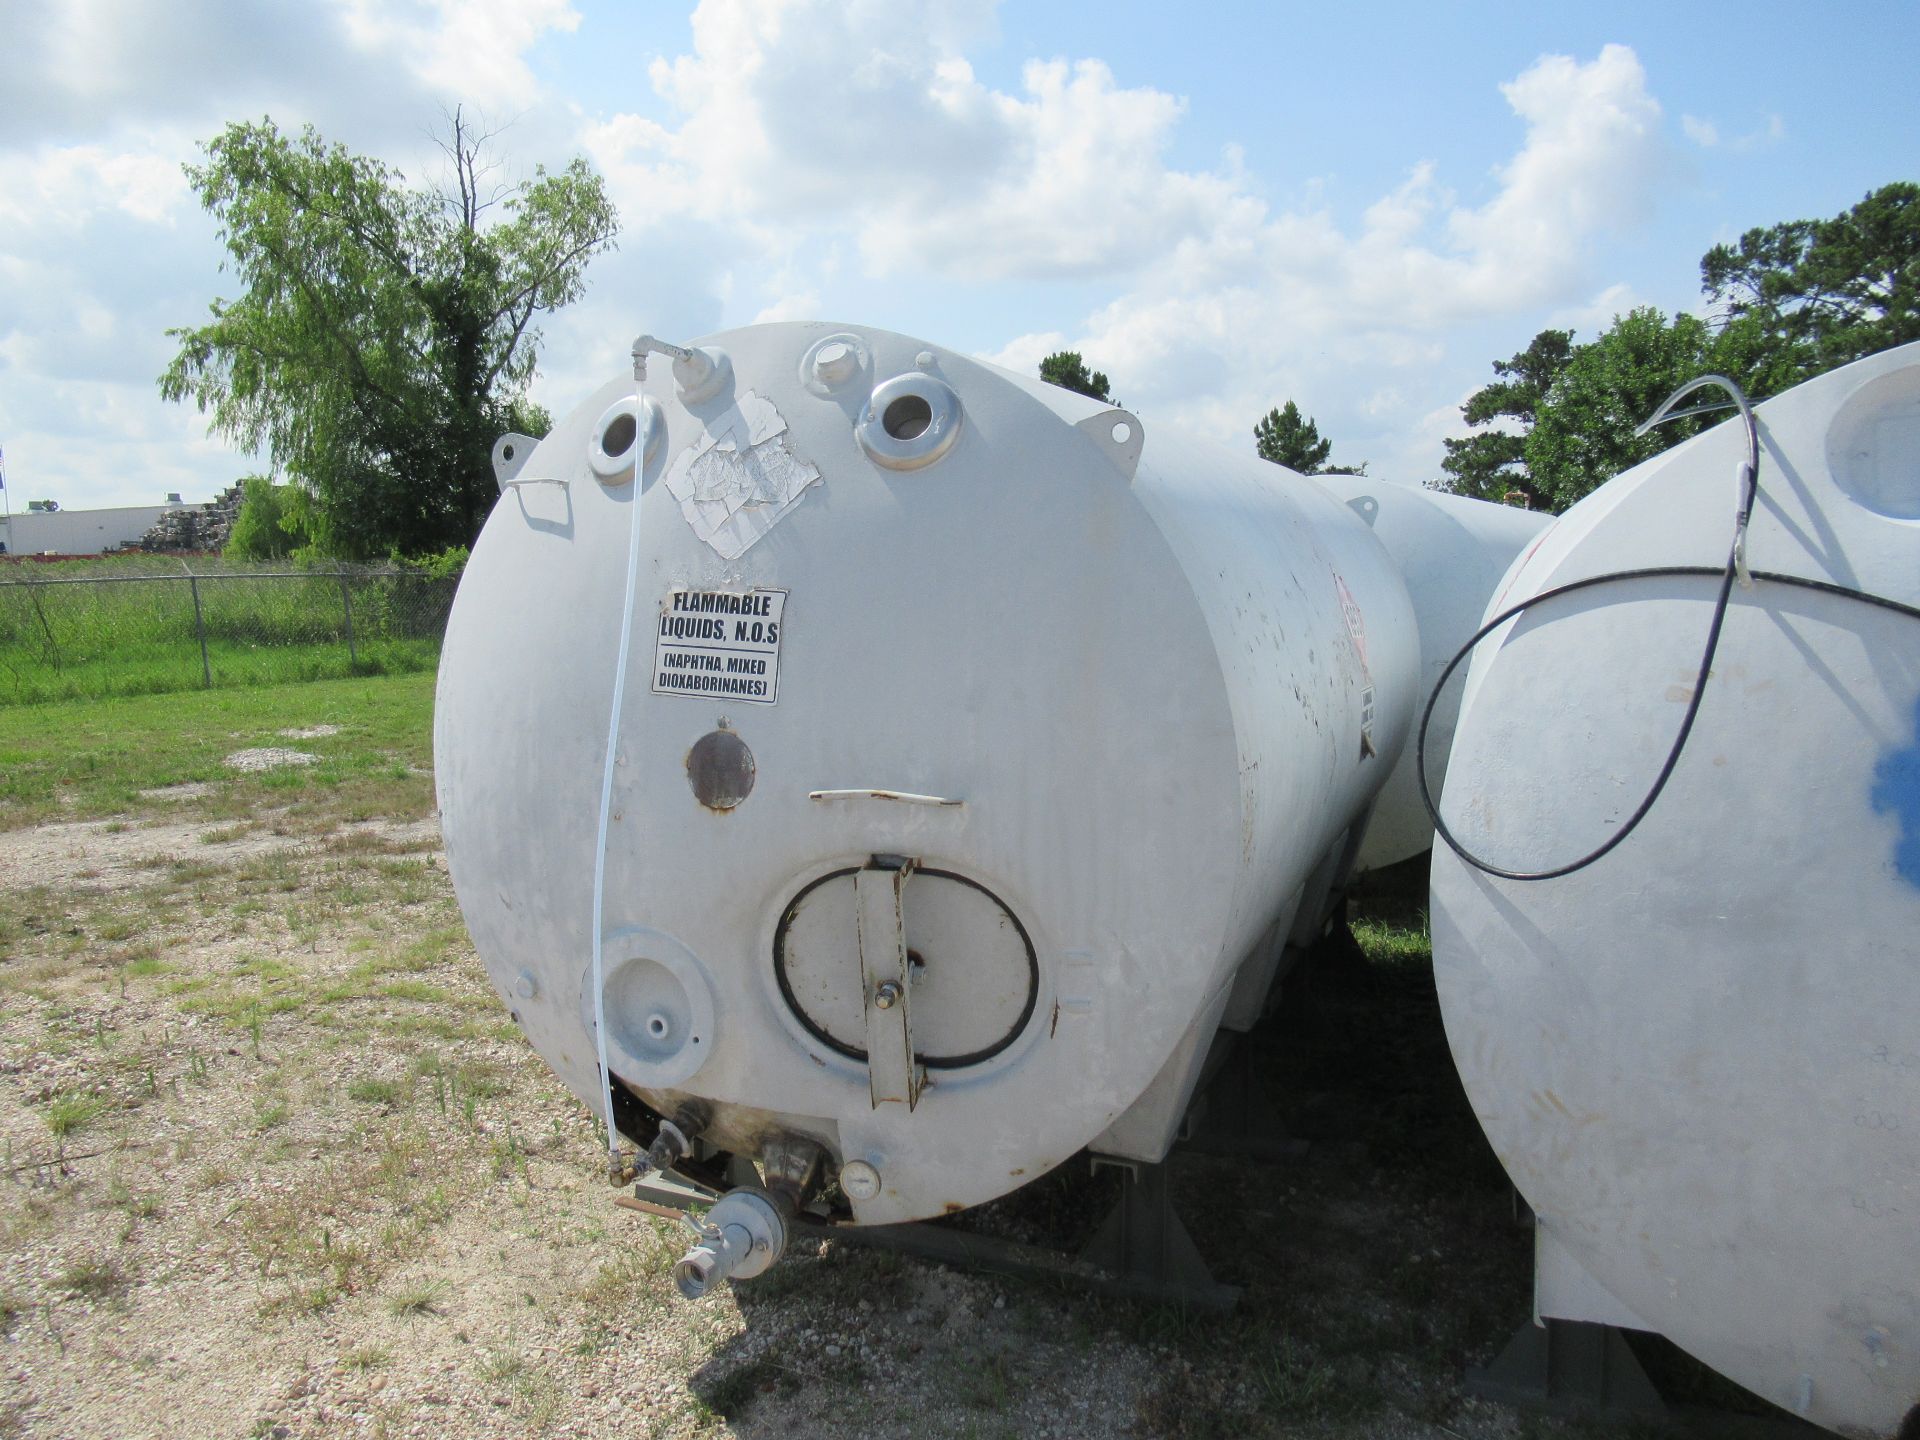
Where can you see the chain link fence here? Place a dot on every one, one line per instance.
(89, 629)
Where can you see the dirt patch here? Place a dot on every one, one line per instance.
(98, 855)
(269, 758)
(113, 855)
(187, 790)
(310, 732)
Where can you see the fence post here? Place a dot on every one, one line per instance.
(46, 629)
(200, 629)
(346, 604)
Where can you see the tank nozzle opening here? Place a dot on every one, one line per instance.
(742, 1236)
(668, 1147)
(673, 1141)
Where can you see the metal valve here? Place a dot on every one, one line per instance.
(699, 372)
(740, 1237)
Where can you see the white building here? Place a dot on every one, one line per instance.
(81, 532)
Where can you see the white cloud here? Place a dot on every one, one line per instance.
(800, 149)
(1025, 352)
(1590, 163)
(134, 453)
(1706, 134)
(103, 246)
(803, 306)
(62, 187)
(806, 126)
(866, 119)
(88, 68)
(1349, 321)
(1079, 186)
(1589, 317)
(1429, 432)
(463, 47)
(1703, 133)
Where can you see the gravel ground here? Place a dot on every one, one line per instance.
(277, 1165)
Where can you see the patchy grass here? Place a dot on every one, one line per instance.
(630, 1288)
(68, 1114)
(986, 1385)
(291, 1042)
(138, 1204)
(1384, 942)
(83, 759)
(1291, 1381)
(390, 1093)
(94, 1277)
(411, 1301)
(502, 1365)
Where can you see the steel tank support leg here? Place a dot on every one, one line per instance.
(1570, 1367)
(1231, 1116)
(1144, 1245)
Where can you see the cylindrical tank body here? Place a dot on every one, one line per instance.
(1452, 553)
(967, 751)
(1697, 1057)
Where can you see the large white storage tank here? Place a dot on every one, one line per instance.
(914, 653)
(1698, 1056)
(973, 742)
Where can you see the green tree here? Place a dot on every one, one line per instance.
(1286, 437)
(1789, 301)
(385, 336)
(1491, 464)
(1826, 291)
(268, 526)
(1066, 369)
(1583, 435)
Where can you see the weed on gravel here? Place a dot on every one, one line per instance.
(275, 1154)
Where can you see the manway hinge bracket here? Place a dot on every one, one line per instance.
(894, 1076)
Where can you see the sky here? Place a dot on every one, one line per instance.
(1223, 207)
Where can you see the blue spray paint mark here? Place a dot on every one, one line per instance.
(1896, 791)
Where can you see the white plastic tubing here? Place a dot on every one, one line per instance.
(642, 423)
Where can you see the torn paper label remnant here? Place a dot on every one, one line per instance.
(737, 480)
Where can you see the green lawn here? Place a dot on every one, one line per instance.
(82, 759)
(162, 669)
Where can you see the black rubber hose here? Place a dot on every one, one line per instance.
(1734, 567)
(1660, 572)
